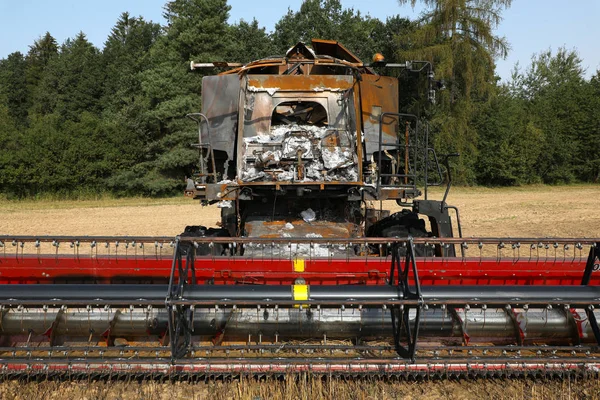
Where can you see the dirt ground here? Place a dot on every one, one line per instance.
(534, 211)
(306, 389)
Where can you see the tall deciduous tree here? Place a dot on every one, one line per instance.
(556, 93)
(457, 36)
(327, 19)
(315, 19)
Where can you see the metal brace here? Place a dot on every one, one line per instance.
(403, 333)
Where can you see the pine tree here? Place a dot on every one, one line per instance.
(249, 42)
(10, 167)
(457, 35)
(38, 57)
(195, 30)
(72, 82)
(589, 142)
(124, 57)
(14, 87)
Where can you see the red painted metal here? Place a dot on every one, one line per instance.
(240, 270)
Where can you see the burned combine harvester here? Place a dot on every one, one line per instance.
(307, 272)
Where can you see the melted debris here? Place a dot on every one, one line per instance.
(224, 204)
(309, 215)
(300, 153)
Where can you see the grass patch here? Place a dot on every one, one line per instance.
(51, 203)
(106, 199)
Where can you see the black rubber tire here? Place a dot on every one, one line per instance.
(204, 249)
(403, 224)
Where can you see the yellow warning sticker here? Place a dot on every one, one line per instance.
(298, 264)
(300, 292)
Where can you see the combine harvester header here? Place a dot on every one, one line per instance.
(307, 271)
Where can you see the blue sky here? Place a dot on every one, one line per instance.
(531, 26)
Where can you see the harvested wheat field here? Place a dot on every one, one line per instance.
(535, 211)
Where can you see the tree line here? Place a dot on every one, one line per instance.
(75, 118)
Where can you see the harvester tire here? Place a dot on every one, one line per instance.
(403, 224)
(204, 249)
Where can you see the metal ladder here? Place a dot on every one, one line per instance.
(407, 179)
(207, 156)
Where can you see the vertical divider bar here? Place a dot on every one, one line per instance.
(401, 313)
(168, 300)
(180, 317)
(592, 265)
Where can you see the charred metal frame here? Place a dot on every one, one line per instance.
(408, 146)
(199, 118)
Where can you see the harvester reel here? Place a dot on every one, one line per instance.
(477, 315)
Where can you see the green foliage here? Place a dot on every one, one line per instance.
(510, 144)
(124, 57)
(72, 82)
(588, 157)
(39, 56)
(197, 28)
(249, 42)
(13, 90)
(457, 36)
(326, 19)
(558, 99)
(10, 138)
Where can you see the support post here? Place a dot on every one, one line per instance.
(405, 336)
(181, 323)
(592, 265)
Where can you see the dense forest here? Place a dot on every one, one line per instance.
(78, 119)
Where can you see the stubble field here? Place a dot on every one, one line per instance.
(531, 211)
(535, 211)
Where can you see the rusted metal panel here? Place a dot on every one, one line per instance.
(220, 99)
(379, 94)
(335, 49)
(311, 83)
(357, 127)
(299, 228)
